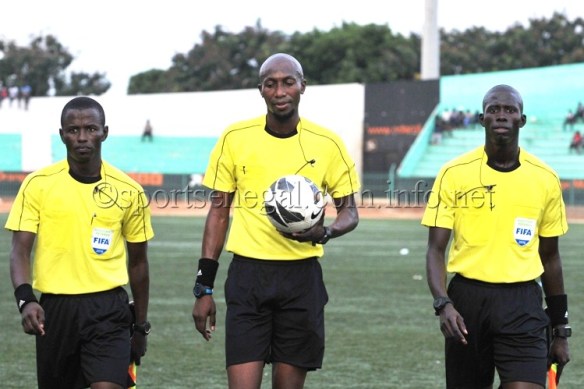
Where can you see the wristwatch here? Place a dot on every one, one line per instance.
(201, 290)
(440, 303)
(327, 235)
(143, 328)
(562, 332)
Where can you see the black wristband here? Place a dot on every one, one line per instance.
(557, 309)
(24, 295)
(207, 272)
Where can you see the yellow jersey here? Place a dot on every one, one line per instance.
(81, 228)
(248, 158)
(496, 216)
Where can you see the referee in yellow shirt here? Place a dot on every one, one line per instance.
(275, 292)
(91, 225)
(505, 210)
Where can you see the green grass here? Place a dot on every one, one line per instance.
(380, 328)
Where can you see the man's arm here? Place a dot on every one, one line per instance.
(347, 216)
(451, 323)
(214, 235)
(436, 260)
(346, 221)
(33, 316)
(552, 277)
(216, 225)
(552, 281)
(138, 272)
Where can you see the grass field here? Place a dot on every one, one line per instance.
(380, 326)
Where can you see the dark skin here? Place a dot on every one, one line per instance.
(281, 85)
(82, 132)
(502, 119)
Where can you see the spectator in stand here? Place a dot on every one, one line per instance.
(13, 93)
(147, 134)
(447, 119)
(439, 125)
(579, 112)
(569, 121)
(454, 120)
(576, 142)
(476, 121)
(25, 92)
(468, 118)
(3, 94)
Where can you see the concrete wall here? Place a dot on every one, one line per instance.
(197, 114)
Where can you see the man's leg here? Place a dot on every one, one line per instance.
(285, 376)
(245, 375)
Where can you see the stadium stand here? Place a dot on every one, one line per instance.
(187, 124)
(10, 145)
(547, 93)
(167, 154)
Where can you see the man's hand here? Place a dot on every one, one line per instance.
(559, 353)
(452, 324)
(33, 319)
(139, 346)
(313, 234)
(204, 312)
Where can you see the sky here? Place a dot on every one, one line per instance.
(124, 37)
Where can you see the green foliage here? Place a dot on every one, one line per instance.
(151, 81)
(42, 65)
(347, 54)
(353, 53)
(368, 54)
(545, 42)
(83, 83)
(223, 61)
(381, 331)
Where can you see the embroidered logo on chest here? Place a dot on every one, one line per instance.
(101, 240)
(523, 230)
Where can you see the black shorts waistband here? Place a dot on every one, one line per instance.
(283, 262)
(82, 295)
(460, 278)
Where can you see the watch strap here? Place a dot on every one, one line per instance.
(143, 328)
(562, 332)
(326, 237)
(440, 303)
(201, 290)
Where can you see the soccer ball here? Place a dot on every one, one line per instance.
(293, 203)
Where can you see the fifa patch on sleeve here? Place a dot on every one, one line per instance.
(523, 230)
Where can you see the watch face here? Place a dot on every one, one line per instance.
(563, 332)
(143, 328)
(440, 302)
(201, 290)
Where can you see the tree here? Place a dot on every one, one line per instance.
(542, 43)
(366, 54)
(82, 84)
(151, 81)
(353, 53)
(222, 61)
(42, 65)
(347, 54)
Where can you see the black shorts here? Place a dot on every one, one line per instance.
(275, 312)
(87, 339)
(506, 330)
